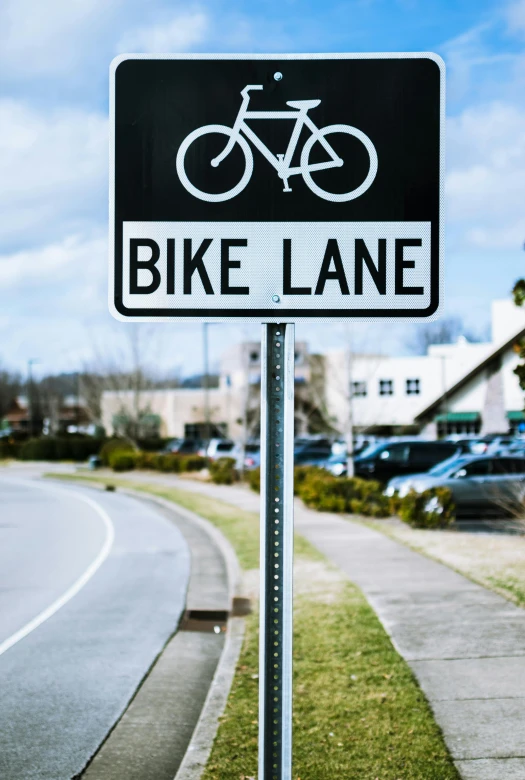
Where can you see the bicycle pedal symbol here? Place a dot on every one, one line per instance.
(281, 162)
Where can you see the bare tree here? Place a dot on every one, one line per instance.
(311, 409)
(349, 422)
(127, 369)
(446, 330)
(10, 386)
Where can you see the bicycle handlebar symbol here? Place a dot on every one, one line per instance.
(281, 162)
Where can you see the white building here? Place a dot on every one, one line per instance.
(183, 412)
(459, 388)
(455, 388)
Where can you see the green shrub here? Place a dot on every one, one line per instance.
(395, 504)
(9, 449)
(170, 463)
(433, 508)
(39, 449)
(146, 460)
(253, 478)
(192, 462)
(122, 461)
(222, 471)
(327, 493)
(114, 445)
(301, 473)
(72, 447)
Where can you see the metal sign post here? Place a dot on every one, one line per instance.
(275, 636)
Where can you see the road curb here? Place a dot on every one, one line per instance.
(201, 743)
(199, 749)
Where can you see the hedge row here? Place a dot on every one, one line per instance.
(57, 448)
(9, 449)
(320, 490)
(71, 447)
(127, 460)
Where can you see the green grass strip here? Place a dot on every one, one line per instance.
(358, 711)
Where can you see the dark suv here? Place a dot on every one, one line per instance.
(312, 452)
(395, 459)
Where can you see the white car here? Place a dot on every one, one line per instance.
(219, 448)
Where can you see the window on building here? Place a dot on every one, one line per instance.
(254, 357)
(359, 389)
(386, 387)
(413, 386)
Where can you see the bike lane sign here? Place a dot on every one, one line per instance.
(276, 188)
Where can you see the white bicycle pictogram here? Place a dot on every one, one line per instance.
(281, 162)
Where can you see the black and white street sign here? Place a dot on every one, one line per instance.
(276, 188)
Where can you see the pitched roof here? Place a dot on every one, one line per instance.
(470, 374)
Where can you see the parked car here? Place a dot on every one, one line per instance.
(337, 464)
(478, 483)
(491, 443)
(517, 447)
(185, 447)
(312, 452)
(219, 448)
(252, 456)
(397, 458)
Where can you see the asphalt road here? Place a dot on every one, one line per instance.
(91, 588)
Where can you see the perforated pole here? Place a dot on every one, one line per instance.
(275, 638)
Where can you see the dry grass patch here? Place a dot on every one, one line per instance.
(494, 560)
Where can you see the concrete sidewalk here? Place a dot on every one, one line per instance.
(465, 644)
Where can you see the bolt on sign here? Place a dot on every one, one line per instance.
(276, 188)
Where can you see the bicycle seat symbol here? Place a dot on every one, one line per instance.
(281, 162)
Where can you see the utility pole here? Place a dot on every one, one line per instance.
(444, 391)
(205, 381)
(78, 401)
(245, 401)
(349, 432)
(30, 404)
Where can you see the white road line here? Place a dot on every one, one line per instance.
(82, 580)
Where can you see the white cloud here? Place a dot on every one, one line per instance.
(53, 168)
(516, 16)
(473, 65)
(486, 179)
(179, 34)
(42, 37)
(74, 259)
(511, 236)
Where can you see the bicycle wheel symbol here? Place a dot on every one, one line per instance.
(343, 196)
(207, 196)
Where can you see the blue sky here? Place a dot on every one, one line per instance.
(54, 59)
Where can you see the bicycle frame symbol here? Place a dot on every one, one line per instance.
(281, 162)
